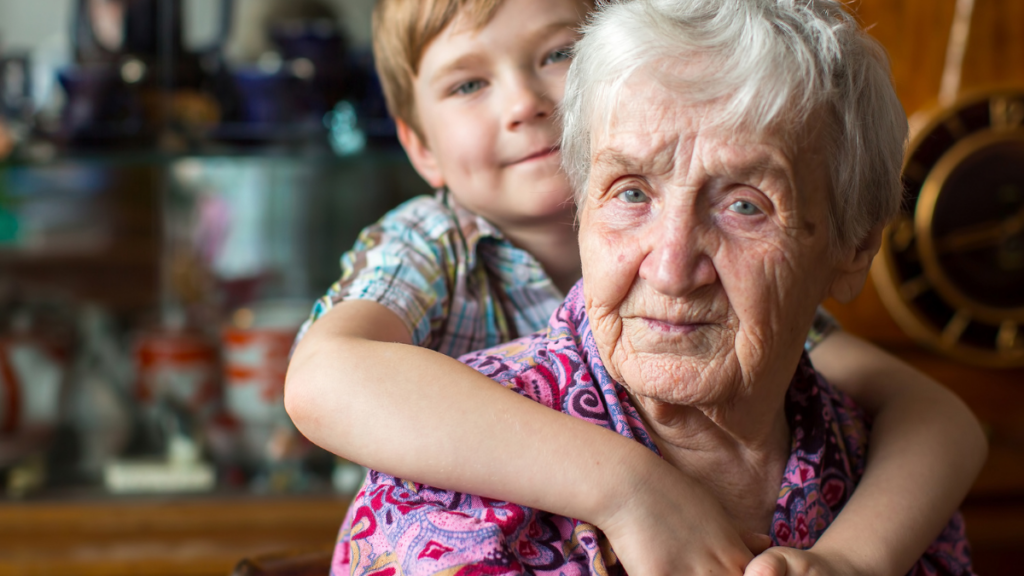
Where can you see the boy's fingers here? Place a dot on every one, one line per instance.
(766, 564)
(756, 543)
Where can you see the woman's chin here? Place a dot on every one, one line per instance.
(679, 380)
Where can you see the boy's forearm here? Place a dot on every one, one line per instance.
(926, 448)
(417, 414)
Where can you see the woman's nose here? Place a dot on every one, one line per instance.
(527, 101)
(678, 259)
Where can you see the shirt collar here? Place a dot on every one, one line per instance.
(513, 264)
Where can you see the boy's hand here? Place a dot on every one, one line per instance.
(782, 561)
(669, 525)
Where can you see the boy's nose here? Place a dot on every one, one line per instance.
(528, 102)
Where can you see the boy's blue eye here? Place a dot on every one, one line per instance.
(745, 208)
(558, 55)
(634, 196)
(468, 87)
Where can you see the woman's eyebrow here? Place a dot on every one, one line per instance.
(613, 159)
(619, 161)
(761, 164)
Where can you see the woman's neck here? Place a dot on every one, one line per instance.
(739, 455)
(554, 244)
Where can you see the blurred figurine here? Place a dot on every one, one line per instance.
(31, 378)
(97, 405)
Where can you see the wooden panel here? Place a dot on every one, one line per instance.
(159, 537)
(915, 33)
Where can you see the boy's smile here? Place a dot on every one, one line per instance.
(485, 100)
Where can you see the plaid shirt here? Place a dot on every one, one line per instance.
(454, 280)
(450, 275)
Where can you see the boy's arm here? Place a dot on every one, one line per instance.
(356, 387)
(926, 448)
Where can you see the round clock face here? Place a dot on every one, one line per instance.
(951, 269)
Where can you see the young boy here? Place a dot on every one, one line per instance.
(473, 85)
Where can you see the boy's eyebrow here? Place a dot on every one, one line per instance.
(463, 62)
(547, 29)
(543, 33)
(467, 61)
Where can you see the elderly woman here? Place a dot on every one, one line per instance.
(735, 162)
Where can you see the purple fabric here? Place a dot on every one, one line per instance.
(396, 527)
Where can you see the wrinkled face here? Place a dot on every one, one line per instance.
(486, 98)
(705, 252)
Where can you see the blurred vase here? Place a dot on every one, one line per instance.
(256, 349)
(175, 367)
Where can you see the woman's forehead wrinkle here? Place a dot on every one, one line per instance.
(634, 151)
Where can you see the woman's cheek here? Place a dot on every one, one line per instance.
(610, 263)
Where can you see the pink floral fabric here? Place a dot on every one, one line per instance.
(396, 527)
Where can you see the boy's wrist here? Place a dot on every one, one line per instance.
(852, 558)
(631, 470)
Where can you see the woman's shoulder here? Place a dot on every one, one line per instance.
(820, 411)
(828, 455)
(529, 365)
(560, 368)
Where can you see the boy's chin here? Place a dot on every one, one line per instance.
(547, 204)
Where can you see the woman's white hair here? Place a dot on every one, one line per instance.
(769, 65)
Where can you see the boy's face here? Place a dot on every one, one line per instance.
(485, 99)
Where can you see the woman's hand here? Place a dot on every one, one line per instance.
(669, 525)
(782, 561)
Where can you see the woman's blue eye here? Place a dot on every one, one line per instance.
(468, 87)
(558, 56)
(745, 208)
(633, 196)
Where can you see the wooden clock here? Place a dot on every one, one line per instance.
(951, 268)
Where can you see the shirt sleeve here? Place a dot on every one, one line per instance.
(823, 325)
(398, 263)
(396, 527)
(420, 531)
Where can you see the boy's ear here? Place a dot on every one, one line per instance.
(852, 268)
(422, 158)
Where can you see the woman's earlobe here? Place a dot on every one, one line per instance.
(421, 157)
(852, 269)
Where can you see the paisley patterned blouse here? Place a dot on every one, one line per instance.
(396, 527)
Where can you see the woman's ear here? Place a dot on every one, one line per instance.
(852, 268)
(423, 160)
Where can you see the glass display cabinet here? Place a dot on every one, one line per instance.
(179, 180)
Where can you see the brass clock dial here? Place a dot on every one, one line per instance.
(951, 268)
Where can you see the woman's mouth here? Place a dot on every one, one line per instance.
(671, 327)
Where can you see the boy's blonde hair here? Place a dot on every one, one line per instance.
(402, 30)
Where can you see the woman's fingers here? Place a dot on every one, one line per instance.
(756, 543)
(767, 563)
